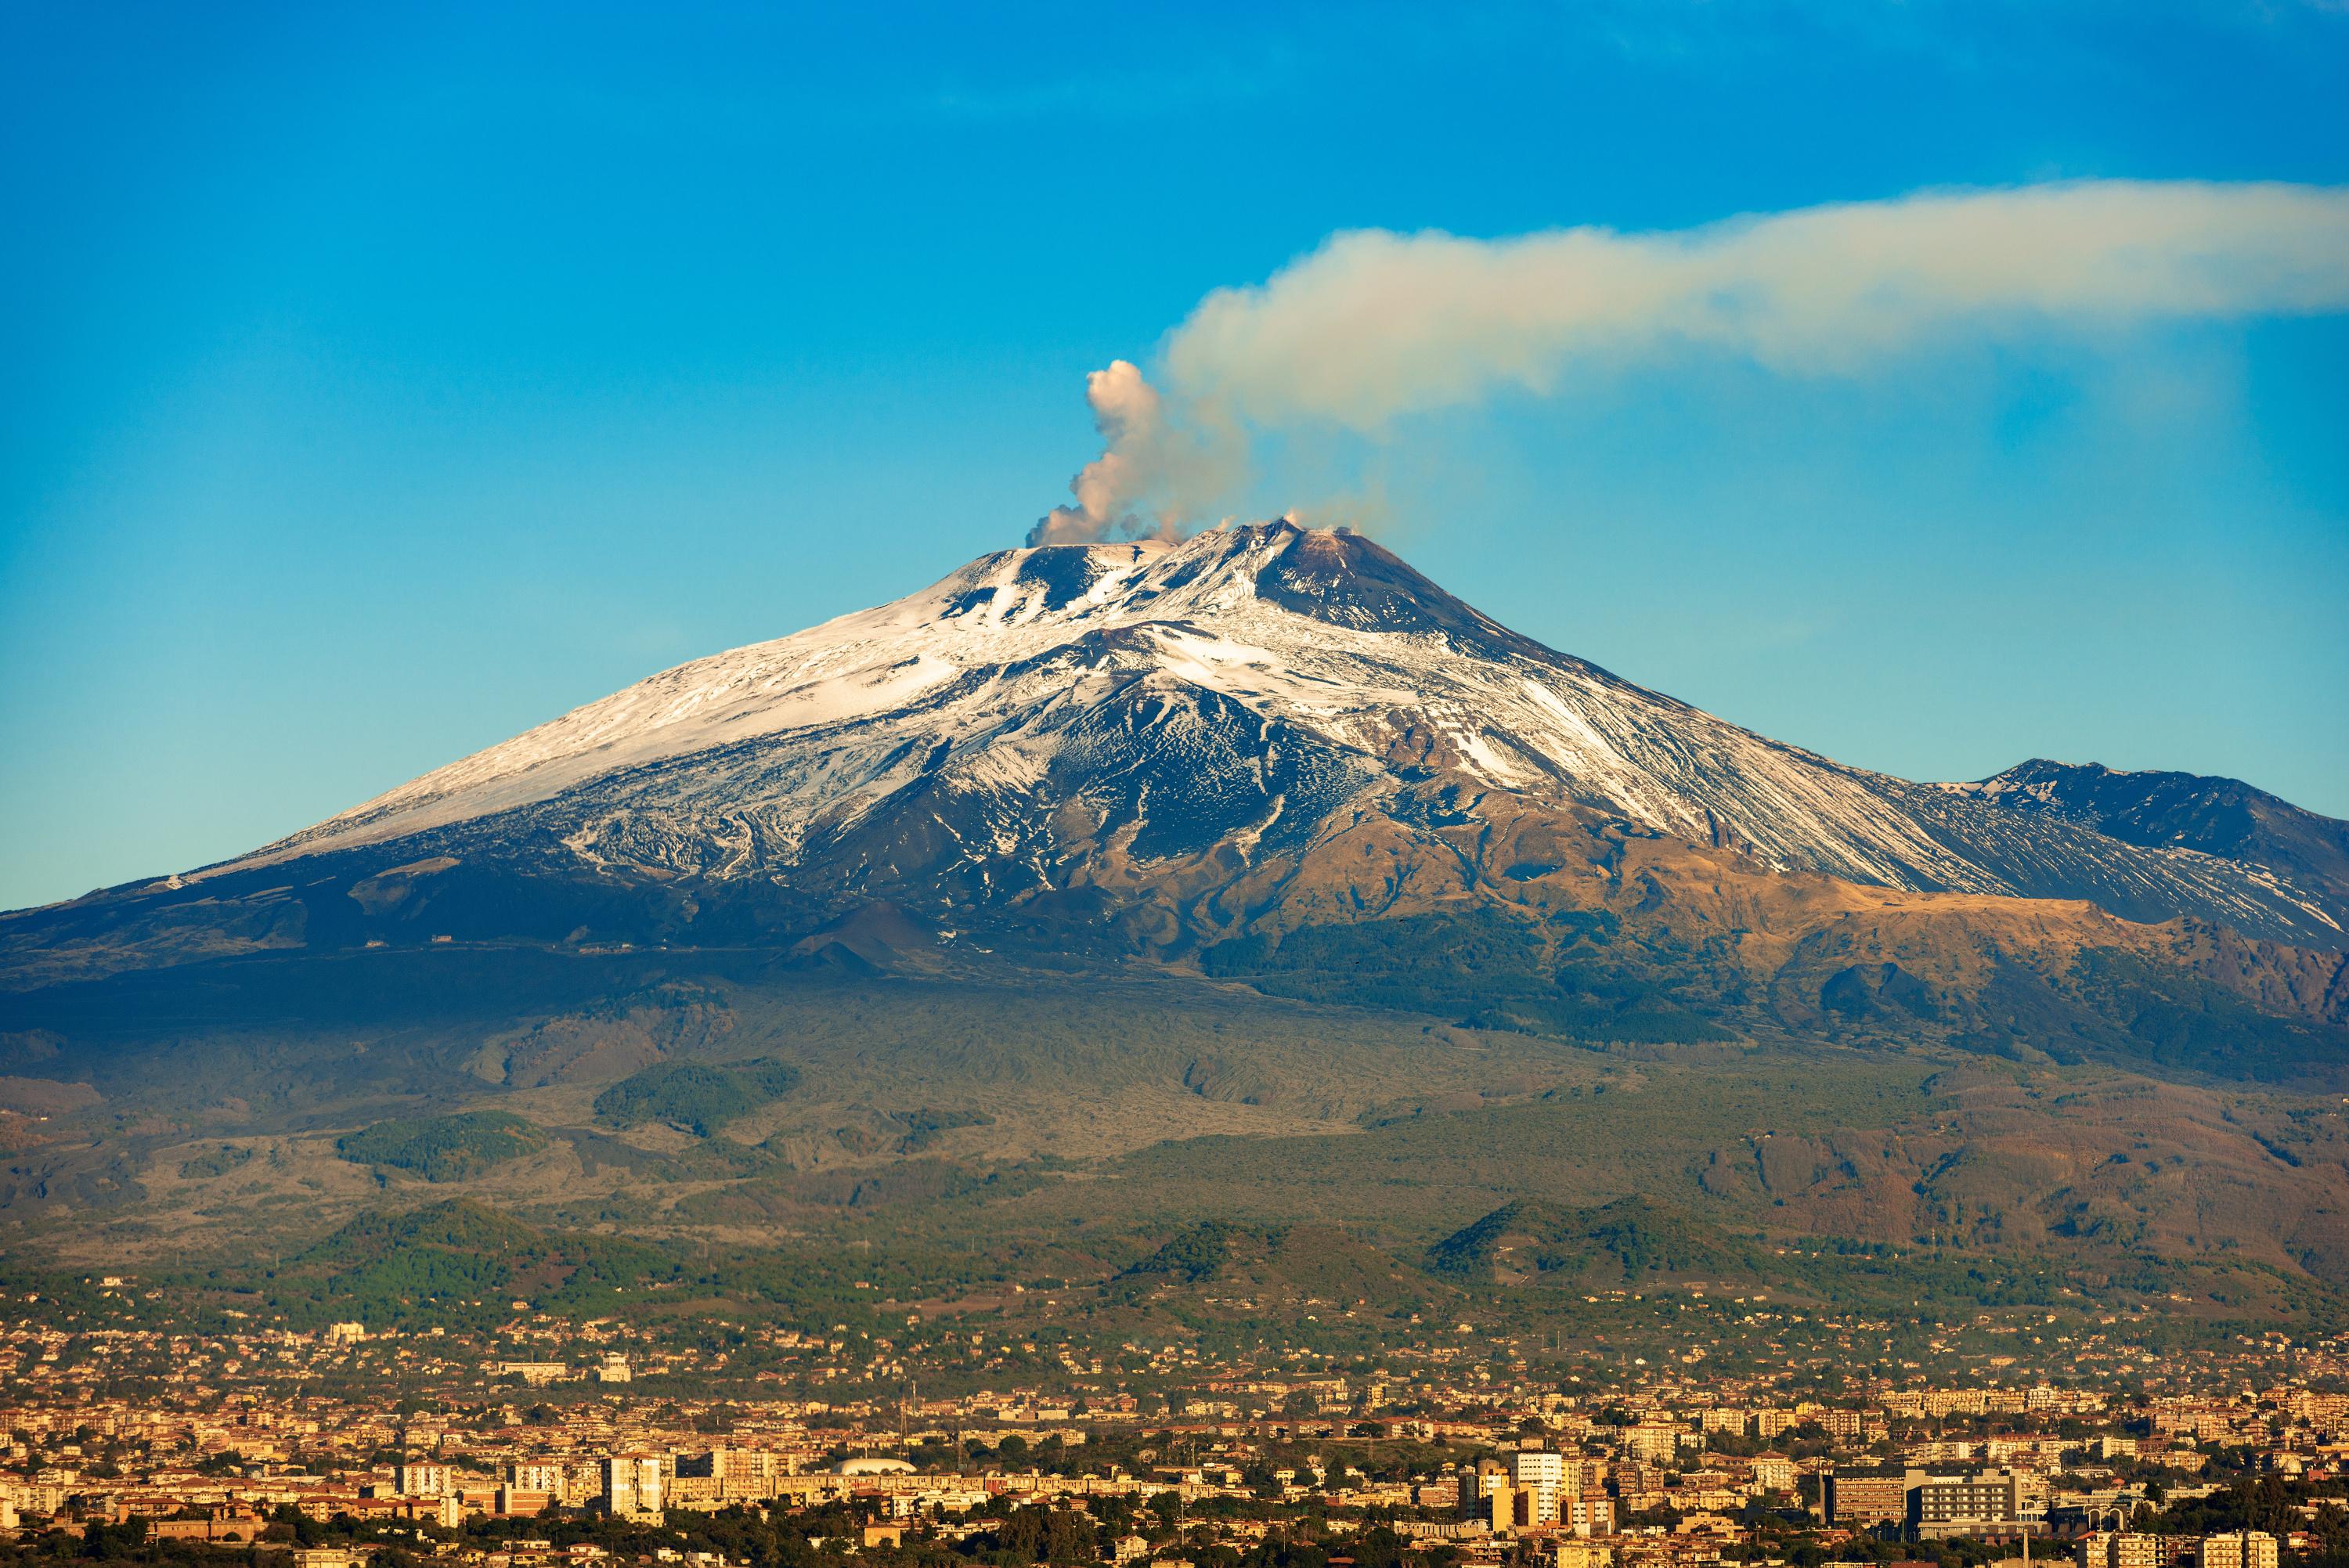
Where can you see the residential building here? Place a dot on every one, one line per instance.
(632, 1483)
(1858, 1501)
(2121, 1549)
(1963, 1504)
(2239, 1549)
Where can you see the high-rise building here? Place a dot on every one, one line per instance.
(1652, 1440)
(1478, 1483)
(2239, 1549)
(1858, 1501)
(537, 1475)
(415, 1479)
(1962, 1504)
(1536, 1476)
(1536, 1467)
(632, 1483)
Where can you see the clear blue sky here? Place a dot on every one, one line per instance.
(375, 382)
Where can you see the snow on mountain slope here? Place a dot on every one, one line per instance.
(1242, 683)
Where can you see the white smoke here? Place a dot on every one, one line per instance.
(1153, 472)
(1375, 326)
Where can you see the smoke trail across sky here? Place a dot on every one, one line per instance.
(1374, 327)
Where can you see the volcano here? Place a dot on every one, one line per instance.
(1069, 821)
(1172, 724)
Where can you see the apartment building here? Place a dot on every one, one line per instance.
(2239, 1549)
(1963, 1504)
(631, 1483)
(2120, 1549)
(1859, 1502)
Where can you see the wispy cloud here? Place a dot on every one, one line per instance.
(1375, 326)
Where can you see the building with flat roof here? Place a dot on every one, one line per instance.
(1990, 1502)
(1859, 1502)
(2238, 1549)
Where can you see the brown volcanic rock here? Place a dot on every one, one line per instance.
(1715, 923)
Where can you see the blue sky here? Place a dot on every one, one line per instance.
(378, 383)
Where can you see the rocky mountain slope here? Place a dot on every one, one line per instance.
(1154, 721)
(2221, 817)
(1248, 683)
(1084, 853)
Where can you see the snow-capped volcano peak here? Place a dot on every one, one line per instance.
(1335, 576)
(1002, 609)
(1217, 695)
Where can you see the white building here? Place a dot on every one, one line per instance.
(537, 1475)
(2122, 1549)
(1652, 1440)
(632, 1483)
(1536, 1476)
(416, 1479)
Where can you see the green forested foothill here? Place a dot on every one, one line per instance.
(697, 1096)
(1482, 970)
(444, 1148)
(458, 1263)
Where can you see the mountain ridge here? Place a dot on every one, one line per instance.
(1094, 885)
(2157, 808)
(1022, 663)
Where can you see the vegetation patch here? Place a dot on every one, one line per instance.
(444, 1148)
(1618, 1242)
(1191, 1256)
(458, 1263)
(925, 1127)
(214, 1162)
(1486, 970)
(2181, 1022)
(696, 1096)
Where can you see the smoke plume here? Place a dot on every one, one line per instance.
(1374, 327)
(1153, 472)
